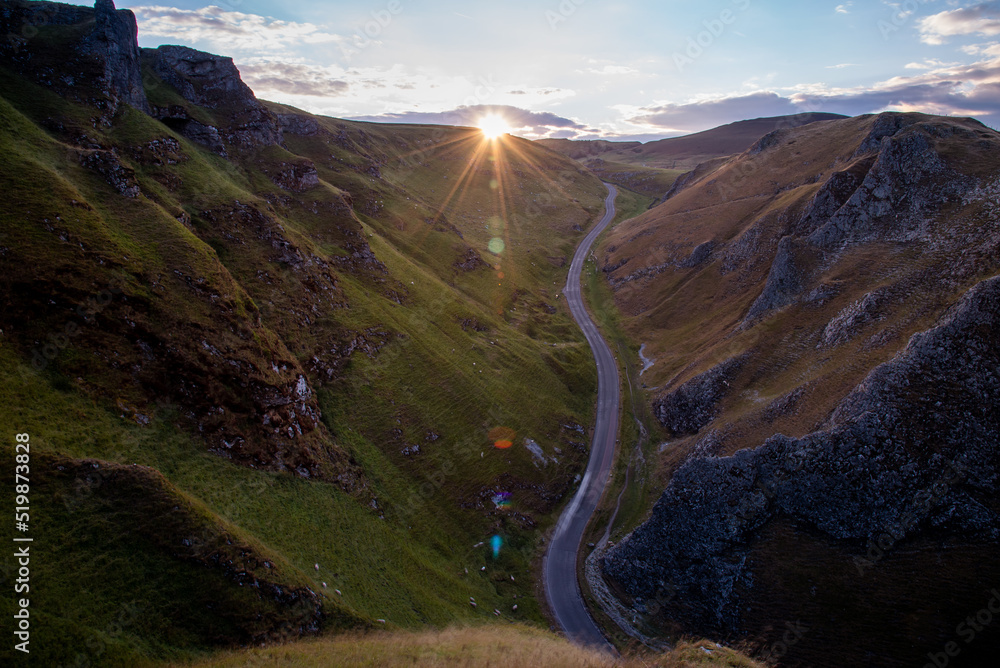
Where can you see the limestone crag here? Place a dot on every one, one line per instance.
(213, 82)
(114, 42)
(693, 405)
(102, 67)
(870, 471)
(908, 181)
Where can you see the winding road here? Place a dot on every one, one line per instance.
(562, 589)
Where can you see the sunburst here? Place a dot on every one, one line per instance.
(493, 126)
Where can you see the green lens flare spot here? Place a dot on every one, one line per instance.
(496, 245)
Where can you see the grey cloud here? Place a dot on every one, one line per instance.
(944, 91)
(540, 122)
(696, 116)
(292, 79)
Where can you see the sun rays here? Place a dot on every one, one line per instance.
(493, 126)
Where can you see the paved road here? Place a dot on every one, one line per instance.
(559, 568)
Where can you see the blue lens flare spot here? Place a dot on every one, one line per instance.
(496, 542)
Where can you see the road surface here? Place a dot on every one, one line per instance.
(559, 568)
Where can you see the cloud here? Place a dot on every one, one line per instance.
(699, 115)
(980, 19)
(270, 77)
(929, 64)
(609, 70)
(533, 124)
(235, 31)
(945, 89)
(844, 8)
(841, 66)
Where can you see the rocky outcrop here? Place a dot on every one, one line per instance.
(101, 67)
(298, 176)
(846, 324)
(700, 254)
(114, 41)
(770, 140)
(469, 262)
(213, 82)
(885, 125)
(889, 197)
(118, 176)
(298, 124)
(203, 78)
(178, 119)
(871, 474)
(784, 282)
(694, 404)
(831, 196)
(908, 181)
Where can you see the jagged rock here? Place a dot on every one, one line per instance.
(770, 140)
(298, 124)
(872, 473)
(469, 262)
(693, 405)
(99, 67)
(700, 253)
(473, 324)
(298, 176)
(831, 196)
(203, 78)
(846, 324)
(107, 164)
(163, 151)
(784, 282)
(206, 135)
(885, 125)
(679, 184)
(908, 181)
(177, 118)
(213, 82)
(114, 41)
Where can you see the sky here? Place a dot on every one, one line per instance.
(591, 69)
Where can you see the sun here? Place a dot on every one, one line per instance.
(493, 126)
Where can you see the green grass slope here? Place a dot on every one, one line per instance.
(294, 372)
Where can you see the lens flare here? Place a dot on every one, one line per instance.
(496, 542)
(496, 245)
(502, 437)
(501, 500)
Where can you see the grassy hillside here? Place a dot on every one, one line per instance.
(509, 645)
(648, 181)
(237, 368)
(651, 169)
(736, 274)
(686, 152)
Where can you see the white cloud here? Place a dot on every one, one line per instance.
(233, 31)
(930, 64)
(608, 70)
(841, 66)
(844, 8)
(979, 19)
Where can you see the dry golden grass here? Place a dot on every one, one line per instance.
(509, 646)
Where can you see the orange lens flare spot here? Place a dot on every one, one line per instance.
(501, 434)
(502, 445)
